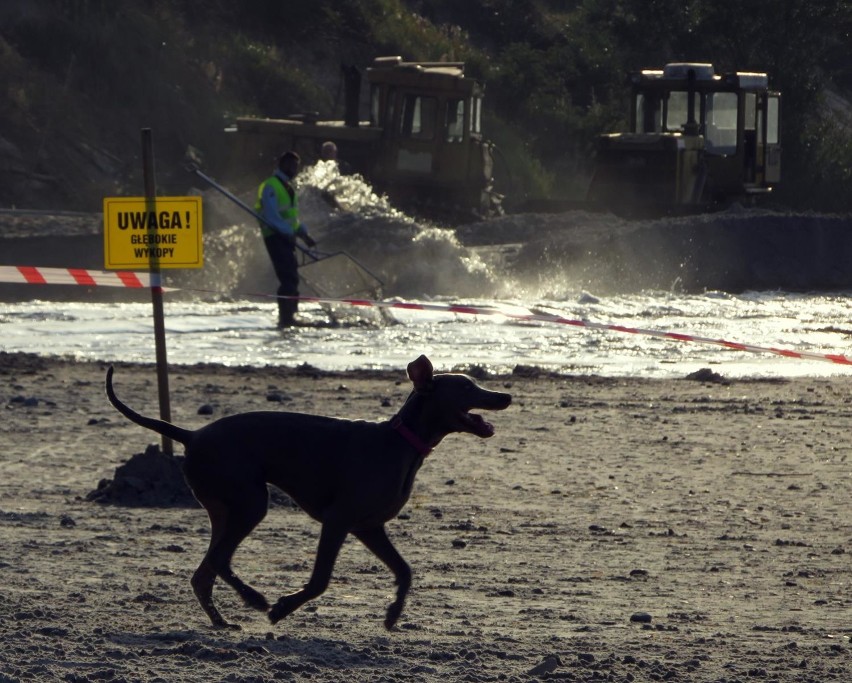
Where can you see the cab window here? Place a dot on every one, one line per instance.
(649, 115)
(418, 117)
(375, 94)
(676, 110)
(720, 130)
(455, 120)
(476, 115)
(772, 121)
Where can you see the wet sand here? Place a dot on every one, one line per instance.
(612, 529)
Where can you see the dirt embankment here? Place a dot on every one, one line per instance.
(732, 251)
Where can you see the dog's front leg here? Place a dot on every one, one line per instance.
(331, 539)
(379, 544)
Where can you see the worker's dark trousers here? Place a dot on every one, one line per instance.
(282, 253)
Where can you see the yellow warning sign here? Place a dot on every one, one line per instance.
(164, 232)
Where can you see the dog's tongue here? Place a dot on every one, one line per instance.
(480, 427)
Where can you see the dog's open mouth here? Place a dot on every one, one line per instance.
(476, 424)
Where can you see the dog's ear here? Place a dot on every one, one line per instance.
(420, 373)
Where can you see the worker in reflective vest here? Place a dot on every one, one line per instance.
(278, 206)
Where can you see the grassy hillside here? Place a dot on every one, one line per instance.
(82, 77)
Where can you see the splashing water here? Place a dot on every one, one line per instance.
(412, 258)
(517, 264)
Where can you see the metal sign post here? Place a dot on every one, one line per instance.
(157, 291)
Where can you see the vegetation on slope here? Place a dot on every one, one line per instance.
(82, 77)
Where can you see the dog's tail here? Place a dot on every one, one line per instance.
(160, 426)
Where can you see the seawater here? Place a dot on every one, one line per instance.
(224, 314)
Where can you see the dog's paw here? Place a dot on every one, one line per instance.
(255, 600)
(281, 609)
(393, 614)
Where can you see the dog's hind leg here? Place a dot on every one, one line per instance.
(331, 539)
(204, 577)
(230, 523)
(379, 544)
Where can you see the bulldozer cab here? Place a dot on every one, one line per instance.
(432, 147)
(695, 138)
(422, 144)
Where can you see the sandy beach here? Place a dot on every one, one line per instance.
(612, 529)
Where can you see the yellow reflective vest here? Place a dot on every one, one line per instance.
(288, 207)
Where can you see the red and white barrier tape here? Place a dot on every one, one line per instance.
(32, 275)
(547, 318)
(76, 276)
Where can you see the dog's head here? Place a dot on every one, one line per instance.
(447, 400)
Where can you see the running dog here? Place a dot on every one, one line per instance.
(352, 476)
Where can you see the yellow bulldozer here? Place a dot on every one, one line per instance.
(422, 144)
(697, 140)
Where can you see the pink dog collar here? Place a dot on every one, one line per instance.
(412, 438)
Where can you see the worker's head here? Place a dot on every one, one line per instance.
(288, 164)
(328, 151)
